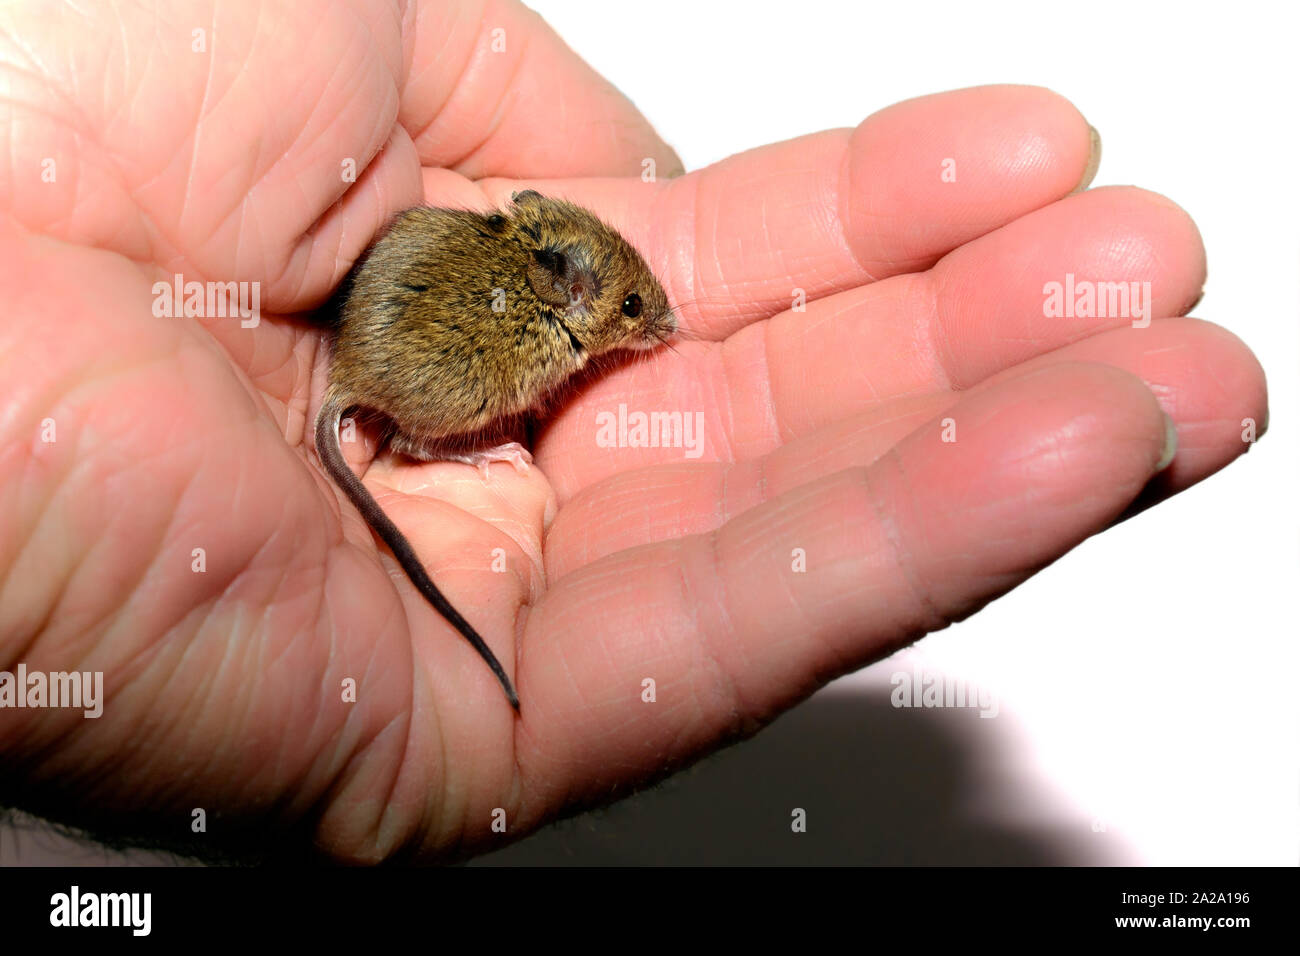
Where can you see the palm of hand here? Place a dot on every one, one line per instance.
(822, 427)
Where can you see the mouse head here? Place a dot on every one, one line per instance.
(602, 291)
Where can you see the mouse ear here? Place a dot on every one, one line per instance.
(528, 195)
(561, 278)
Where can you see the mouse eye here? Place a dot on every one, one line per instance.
(497, 221)
(632, 305)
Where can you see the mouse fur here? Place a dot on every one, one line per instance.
(456, 320)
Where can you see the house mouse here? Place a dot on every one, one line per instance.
(456, 321)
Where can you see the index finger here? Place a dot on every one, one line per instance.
(750, 236)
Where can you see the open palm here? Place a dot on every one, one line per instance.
(914, 441)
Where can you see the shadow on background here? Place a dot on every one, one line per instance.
(881, 785)
(30, 841)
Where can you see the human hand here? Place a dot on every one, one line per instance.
(823, 429)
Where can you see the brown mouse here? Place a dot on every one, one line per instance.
(457, 320)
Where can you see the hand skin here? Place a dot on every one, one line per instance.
(823, 427)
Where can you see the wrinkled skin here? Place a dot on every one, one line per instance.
(822, 427)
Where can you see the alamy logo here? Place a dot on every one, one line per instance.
(213, 300)
(1085, 299)
(651, 430)
(84, 689)
(102, 909)
(926, 689)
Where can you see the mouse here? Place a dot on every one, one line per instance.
(455, 323)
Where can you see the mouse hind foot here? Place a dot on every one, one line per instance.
(513, 452)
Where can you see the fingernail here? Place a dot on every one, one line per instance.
(1094, 160)
(1171, 445)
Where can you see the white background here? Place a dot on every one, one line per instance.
(1156, 723)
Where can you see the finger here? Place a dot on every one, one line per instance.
(493, 91)
(730, 633)
(986, 307)
(823, 213)
(1205, 379)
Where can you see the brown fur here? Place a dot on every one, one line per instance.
(419, 341)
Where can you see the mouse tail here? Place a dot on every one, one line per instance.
(330, 449)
